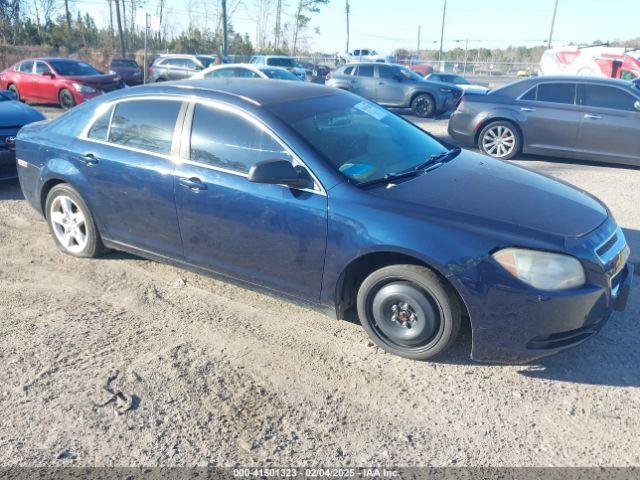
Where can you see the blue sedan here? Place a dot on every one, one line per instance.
(331, 200)
(13, 115)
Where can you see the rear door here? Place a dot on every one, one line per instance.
(551, 116)
(610, 126)
(127, 156)
(25, 80)
(363, 82)
(269, 235)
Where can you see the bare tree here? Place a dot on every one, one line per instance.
(111, 35)
(68, 15)
(120, 33)
(302, 18)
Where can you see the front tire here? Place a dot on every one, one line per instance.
(423, 106)
(14, 89)
(71, 223)
(409, 311)
(66, 99)
(500, 140)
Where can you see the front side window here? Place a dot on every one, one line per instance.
(358, 138)
(220, 73)
(227, 140)
(564, 93)
(279, 74)
(145, 124)
(386, 72)
(365, 71)
(245, 73)
(348, 70)
(601, 96)
(41, 68)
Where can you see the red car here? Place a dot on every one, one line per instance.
(61, 81)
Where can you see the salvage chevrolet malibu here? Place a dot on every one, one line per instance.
(324, 197)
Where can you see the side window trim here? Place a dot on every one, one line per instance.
(185, 141)
(175, 144)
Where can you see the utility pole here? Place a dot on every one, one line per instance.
(278, 16)
(466, 51)
(347, 11)
(68, 15)
(224, 28)
(418, 49)
(147, 21)
(444, 16)
(122, 49)
(553, 23)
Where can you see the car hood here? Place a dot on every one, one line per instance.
(476, 188)
(16, 114)
(95, 79)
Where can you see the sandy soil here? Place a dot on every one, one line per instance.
(123, 361)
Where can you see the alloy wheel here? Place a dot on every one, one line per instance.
(499, 141)
(423, 106)
(69, 224)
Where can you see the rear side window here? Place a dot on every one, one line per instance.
(245, 73)
(564, 93)
(100, 127)
(602, 96)
(365, 71)
(221, 72)
(145, 124)
(531, 94)
(348, 71)
(25, 67)
(227, 140)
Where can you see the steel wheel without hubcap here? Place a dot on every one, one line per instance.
(499, 141)
(69, 224)
(403, 315)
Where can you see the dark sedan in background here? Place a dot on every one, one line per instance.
(13, 116)
(396, 86)
(128, 69)
(595, 119)
(332, 200)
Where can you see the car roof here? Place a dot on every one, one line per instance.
(257, 91)
(577, 78)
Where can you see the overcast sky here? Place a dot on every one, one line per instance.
(386, 25)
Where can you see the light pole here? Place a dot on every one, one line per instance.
(553, 22)
(224, 28)
(444, 16)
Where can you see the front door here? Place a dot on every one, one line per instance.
(551, 117)
(390, 85)
(610, 126)
(127, 157)
(270, 235)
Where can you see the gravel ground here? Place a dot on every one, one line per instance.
(123, 361)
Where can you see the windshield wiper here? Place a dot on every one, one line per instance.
(438, 158)
(390, 177)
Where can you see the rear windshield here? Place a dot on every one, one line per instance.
(281, 62)
(124, 64)
(68, 68)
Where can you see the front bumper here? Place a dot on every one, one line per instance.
(8, 169)
(515, 323)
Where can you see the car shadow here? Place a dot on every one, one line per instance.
(571, 161)
(10, 190)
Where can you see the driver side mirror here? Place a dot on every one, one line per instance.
(637, 105)
(280, 172)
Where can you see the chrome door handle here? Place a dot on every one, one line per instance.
(193, 183)
(527, 109)
(592, 117)
(88, 159)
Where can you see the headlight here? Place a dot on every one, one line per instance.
(542, 270)
(84, 88)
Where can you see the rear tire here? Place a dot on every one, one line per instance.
(66, 99)
(71, 223)
(409, 311)
(501, 140)
(423, 106)
(14, 89)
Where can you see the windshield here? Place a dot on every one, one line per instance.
(75, 69)
(124, 64)
(281, 62)
(408, 73)
(279, 74)
(455, 79)
(358, 138)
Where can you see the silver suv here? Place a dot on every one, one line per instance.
(280, 61)
(178, 67)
